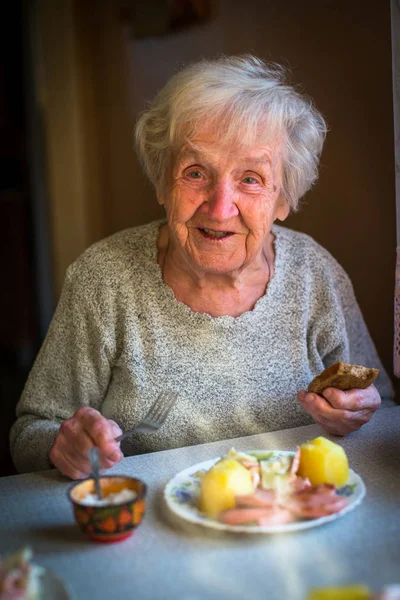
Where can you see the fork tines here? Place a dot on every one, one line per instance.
(160, 409)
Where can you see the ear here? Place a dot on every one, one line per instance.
(282, 209)
(160, 196)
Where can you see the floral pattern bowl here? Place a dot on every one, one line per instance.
(110, 522)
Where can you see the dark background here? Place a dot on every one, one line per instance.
(19, 326)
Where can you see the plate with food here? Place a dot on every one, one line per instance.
(267, 491)
(22, 579)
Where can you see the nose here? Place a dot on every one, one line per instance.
(220, 205)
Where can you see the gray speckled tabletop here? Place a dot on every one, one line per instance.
(169, 559)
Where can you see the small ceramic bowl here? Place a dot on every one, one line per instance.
(110, 522)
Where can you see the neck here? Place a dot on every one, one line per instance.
(218, 294)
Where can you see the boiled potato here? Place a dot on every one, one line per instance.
(323, 461)
(348, 592)
(221, 483)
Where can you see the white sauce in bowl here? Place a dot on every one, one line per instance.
(125, 495)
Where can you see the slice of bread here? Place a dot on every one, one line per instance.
(344, 377)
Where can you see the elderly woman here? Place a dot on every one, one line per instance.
(216, 301)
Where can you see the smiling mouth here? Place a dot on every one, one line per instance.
(215, 235)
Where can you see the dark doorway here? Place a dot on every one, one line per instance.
(20, 333)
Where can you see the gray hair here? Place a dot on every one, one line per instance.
(242, 96)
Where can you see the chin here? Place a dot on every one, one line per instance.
(217, 262)
(218, 267)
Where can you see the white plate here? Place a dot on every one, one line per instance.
(51, 587)
(182, 491)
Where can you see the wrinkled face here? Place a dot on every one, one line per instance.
(221, 202)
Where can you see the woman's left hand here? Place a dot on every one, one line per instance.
(339, 412)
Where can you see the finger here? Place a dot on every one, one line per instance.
(106, 462)
(88, 428)
(354, 399)
(115, 428)
(110, 451)
(81, 464)
(313, 403)
(316, 406)
(99, 429)
(71, 435)
(71, 453)
(335, 421)
(67, 467)
(70, 449)
(89, 419)
(321, 411)
(339, 422)
(301, 395)
(98, 432)
(309, 401)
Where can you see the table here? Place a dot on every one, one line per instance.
(165, 558)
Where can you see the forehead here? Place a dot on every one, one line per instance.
(209, 144)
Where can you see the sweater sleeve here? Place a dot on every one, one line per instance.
(360, 348)
(71, 370)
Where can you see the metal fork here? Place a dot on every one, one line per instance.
(156, 416)
(152, 421)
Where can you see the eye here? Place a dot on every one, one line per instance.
(249, 179)
(194, 174)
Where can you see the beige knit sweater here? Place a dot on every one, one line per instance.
(119, 336)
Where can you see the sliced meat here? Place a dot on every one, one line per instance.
(259, 516)
(277, 516)
(315, 502)
(260, 498)
(316, 511)
(243, 516)
(315, 493)
(300, 484)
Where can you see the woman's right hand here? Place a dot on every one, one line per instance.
(86, 428)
